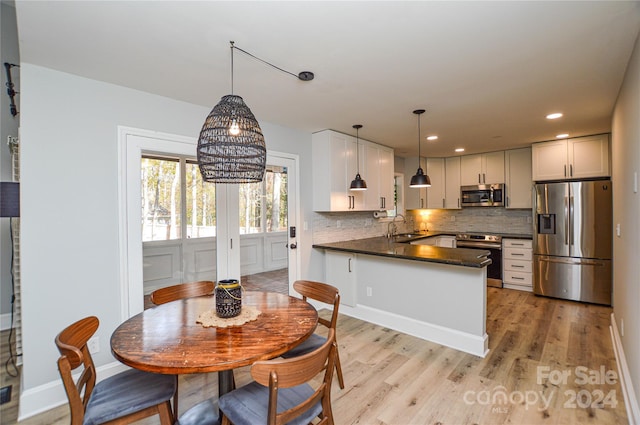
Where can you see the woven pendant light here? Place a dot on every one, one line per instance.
(231, 146)
(225, 157)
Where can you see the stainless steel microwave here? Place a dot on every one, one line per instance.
(482, 195)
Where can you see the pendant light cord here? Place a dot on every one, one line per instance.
(231, 66)
(263, 61)
(418, 138)
(303, 76)
(357, 152)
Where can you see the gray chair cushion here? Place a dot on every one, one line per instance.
(248, 405)
(309, 344)
(203, 413)
(127, 392)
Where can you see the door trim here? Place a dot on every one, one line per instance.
(131, 144)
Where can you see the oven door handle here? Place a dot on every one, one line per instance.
(461, 244)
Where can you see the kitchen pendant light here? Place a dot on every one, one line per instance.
(358, 183)
(231, 147)
(420, 179)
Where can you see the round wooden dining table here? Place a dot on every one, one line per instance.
(166, 338)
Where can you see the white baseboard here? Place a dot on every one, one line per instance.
(630, 400)
(51, 395)
(462, 341)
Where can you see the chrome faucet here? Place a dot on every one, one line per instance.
(392, 228)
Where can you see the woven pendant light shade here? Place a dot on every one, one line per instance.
(227, 158)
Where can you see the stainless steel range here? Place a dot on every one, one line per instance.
(493, 244)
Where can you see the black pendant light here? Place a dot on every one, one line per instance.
(231, 147)
(420, 179)
(358, 183)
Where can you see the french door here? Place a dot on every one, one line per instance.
(133, 145)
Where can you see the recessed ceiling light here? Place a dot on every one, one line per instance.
(554, 116)
(562, 136)
(459, 149)
(432, 138)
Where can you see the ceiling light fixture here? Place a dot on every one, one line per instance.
(432, 138)
(358, 183)
(554, 116)
(231, 147)
(459, 150)
(420, 179)
(562, 136)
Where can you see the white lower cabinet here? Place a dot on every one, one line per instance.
(517, 264)
(340, 272)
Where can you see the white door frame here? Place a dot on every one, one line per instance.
(132, 142)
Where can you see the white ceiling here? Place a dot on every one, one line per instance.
(487, 72)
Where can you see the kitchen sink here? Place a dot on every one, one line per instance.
(406, 237)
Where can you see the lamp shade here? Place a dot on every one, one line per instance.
(9, 199)
(224, 157)
(420, 179)
(358, 183)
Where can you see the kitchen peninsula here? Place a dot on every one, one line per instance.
(435, 293)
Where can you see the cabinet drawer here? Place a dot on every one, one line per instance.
(517, 266)
(518, 243)
(517, 278)
(517, 254)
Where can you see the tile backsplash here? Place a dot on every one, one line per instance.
(478, 219)
(345, 226)
(342, 226)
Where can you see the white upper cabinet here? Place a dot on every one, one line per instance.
(334, 167)
(436, 173)
(452, 182)
(379, 176)
(577, 158)
(485, 168)
(414, 197)
(589, 156)
(518, 178)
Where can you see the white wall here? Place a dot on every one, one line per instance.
(70, 183)
(626, 210)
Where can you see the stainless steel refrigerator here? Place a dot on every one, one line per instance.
(572, 240)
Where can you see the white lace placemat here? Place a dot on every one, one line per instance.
(210, 318)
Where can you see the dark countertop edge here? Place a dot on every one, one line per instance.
(471, 260)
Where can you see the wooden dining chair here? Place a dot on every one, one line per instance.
(326, 294)
(120, 399)
(281, 393)
(178, 292)
(182, 290)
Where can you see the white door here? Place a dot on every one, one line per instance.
(290, 163)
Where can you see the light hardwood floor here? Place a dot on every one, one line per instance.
(393, 378)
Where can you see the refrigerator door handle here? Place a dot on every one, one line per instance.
(566, 220)
(571, 235)
(572, 261)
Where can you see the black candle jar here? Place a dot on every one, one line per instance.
(228, 298)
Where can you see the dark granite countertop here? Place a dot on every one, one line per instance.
(384, 247)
